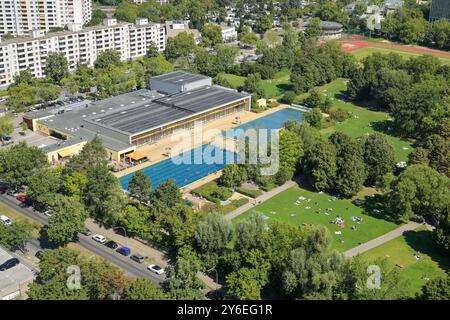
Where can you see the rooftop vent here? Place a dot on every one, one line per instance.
(123, 112)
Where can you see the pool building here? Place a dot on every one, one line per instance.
(175, 101)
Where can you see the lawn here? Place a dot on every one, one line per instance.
(15, 216)
(402, 249)
(273, 88)
(363, 121)
(282, 207)
(367, 51)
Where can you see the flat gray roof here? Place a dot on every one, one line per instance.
(167, 109)
(11, 279)
(180, 77)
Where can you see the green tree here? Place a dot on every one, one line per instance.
(66, 220)
(45, 185)
(248, 37)
(211, 35)
(168, 194)
(97, 18)
(243, 284)
(319, 164)
(250, 234)
(6, 126)
(436, 289)
(265, 24)
(108, 58)
(379, 157)
(24, 76)
(233, 176)
(253, 84)
(142, 289)
(92, 154)
(17, 235)
(18, 163)
(314, 118)
(290, 151)
(135, 220)
(140, 186)
(180, 46)
(56, 67)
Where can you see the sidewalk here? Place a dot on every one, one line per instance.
(260, 199)
(382, 239)
(150, 254)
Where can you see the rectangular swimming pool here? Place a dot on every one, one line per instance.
(188, 171)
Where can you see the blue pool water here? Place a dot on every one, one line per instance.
(186, 173)
(197, 163)
(274, 120)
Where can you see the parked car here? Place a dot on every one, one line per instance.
(156, 269)
(12, 192)
(111, 244)
(3, 189)
(21, 197)
(8, 264)
(124, 251)
(137, 257)
(99, 238)
(5, 220)
(86, 232)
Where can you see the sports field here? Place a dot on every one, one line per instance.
(298, 206)
(362, 49)
(402, 251)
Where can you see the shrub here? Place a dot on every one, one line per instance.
(339, 114)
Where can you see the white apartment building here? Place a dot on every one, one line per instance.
(78, 46)
(229, 33)
(18, 17)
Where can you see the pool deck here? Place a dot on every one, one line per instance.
(211, 134)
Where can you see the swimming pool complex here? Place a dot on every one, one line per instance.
(191, 169)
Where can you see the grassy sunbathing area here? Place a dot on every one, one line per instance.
(417, 257)
(362, 220)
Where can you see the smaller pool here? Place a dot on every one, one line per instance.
(272, 121)
(197, 163)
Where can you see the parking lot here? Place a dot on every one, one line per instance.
(30, 137)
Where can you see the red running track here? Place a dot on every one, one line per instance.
(354, 45)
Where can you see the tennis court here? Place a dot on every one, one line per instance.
(197, 164)
(272, 121)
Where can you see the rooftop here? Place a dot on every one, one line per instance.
(180, 77)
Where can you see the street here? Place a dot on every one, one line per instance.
(129, 266)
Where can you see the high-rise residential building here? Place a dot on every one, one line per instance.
(18, 17)
(78, 46)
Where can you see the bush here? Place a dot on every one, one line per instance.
(222, 193)
(339, 114)
(288, 97)
(252, 193)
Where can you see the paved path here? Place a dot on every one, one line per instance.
(382, 239)
(260, 199)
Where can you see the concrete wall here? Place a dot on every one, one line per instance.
(165, 87)
(197, 84)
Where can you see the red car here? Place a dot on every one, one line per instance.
(22, 198)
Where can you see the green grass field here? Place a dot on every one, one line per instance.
(367, 51)
(308, 212)
(273, 88)
(402, 249)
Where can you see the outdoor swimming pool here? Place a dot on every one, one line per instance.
(188, 171)
(274, 120)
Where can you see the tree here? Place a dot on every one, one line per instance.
(19, 162)
(253, 84)
(56, 67)
(180, 46)
(250, 234)
(168, 194)
(213, 234)
(243, 284)
(140, 186)
(211, 35)
(142, 289)
(97, 18)
(314, 99)
(379, 157)
(44, 185)
(135, 220)
(182, 279)
(419, 190)
(289, 97)
(248, 37)
(314, 29)
(92, 154)
(265, 24)
(152, 50)
(66, 220)
(436, 289)
(350, 168)
(412, 31)
(314, 118)
(16, 236)
(108, 58)
(233, 176)
(155, 66)
(290, 151)
(319, 165)
(24, 76)
(6, 126)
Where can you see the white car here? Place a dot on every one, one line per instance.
(99, 238)
(156, 269)
(5, 220)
